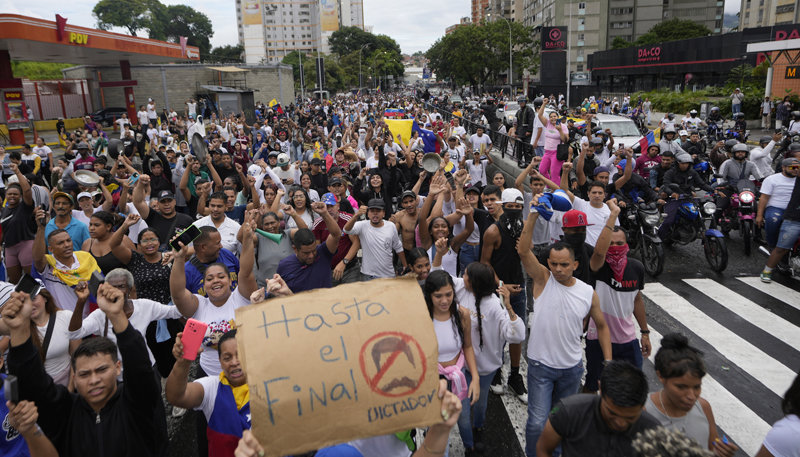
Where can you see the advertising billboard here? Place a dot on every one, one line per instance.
(329, 12)
(251, 12)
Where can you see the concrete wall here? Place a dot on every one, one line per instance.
(171, 85)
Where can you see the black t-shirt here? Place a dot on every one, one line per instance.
(579, 422)
(167, 228)
(793, 209)
(18, 224)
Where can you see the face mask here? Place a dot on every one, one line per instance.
(575, 240)
(514, 214)
(617, 259)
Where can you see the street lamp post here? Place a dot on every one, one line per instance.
(360, 82)
(510, 55)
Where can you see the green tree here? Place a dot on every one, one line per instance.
(169, 23)
(129, 14)
(350, 39)
(227, 53)
(620, 43)
(673, 29)
(38, 70)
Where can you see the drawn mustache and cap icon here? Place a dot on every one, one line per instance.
(398, 364)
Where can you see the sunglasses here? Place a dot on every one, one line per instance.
(794, 167)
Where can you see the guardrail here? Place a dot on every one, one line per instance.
(506, 145)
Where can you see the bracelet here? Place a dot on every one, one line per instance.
(644, 332)
(607, 227)
(432, 451)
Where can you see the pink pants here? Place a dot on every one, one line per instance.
(550, 167)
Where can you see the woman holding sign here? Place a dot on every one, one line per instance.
(454, 334)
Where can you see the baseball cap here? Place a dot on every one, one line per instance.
(789, 162)
(165, 195)
(316, 161)
(84, 194)
(335, 181)
(82, 145)
(475, 189)
(600, 169)
(376, 203)
(253, 170)
(329, 199)
(512, 195)
(408, 193)
(65, 195)
(574, 218)
(283, 159)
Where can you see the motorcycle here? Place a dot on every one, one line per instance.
(714, 132)
(641, 220)
(732, 134)
(704, 169)
(690, 225)
(740, 214)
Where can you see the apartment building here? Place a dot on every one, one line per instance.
(763, 13)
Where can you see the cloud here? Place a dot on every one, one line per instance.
(414, 24)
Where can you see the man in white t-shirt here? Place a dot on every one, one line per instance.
(122, 122)
(481, 142)
(191, 108)
(378, 240)
(537, 138)
(458, 130)
(455, 148)
(227, 227)
(151, 111)
(776, 191)
(596, 211)
(141, 116)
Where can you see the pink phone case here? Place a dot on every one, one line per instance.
(192, 338)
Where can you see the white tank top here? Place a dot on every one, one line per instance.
(449, 341)
(557, 323)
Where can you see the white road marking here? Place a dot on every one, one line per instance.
(789, 296)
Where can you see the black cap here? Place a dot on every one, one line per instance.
(376, 203)
(408, 193)
(316, 161)
(166, 195)
(475, 189)
(333, 181)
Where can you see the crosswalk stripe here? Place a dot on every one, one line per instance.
(768, 371)
(744, 426)
(753, 313)
(789, 296)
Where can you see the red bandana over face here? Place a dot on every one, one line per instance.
(617, 259)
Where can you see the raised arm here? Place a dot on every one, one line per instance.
(579, 165)
(535, 270)
(185, 301)
(213, 172)
(628, 172)
(604, 240)
(139, 195)
(247, 278)
(39, 247)
(27, 195)
(179, 391)
(540, 115)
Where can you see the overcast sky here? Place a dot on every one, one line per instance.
(415, 24)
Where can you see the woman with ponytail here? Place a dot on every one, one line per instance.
(493, 323)
(453, 333)
(678, 404)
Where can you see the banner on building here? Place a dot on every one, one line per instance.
(554, 38)
(251, 12)
(329, 15)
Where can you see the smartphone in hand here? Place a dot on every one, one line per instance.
(192, 338)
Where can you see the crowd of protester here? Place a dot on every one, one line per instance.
(310, 196)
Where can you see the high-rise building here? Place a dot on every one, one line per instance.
(478, 10)
(763, 13)
(464, 21)
(594, 24)
(269, 30)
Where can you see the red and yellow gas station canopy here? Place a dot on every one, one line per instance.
(28, 38)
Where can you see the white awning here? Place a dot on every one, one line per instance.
(228, 69)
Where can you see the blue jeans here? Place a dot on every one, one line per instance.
(790, 231)
(629, 352)
(468, 254)
(519, 304)
(297, 152)
(538, 151)
(772, 224)
(478, 410)
(546, 386)
(736, 108)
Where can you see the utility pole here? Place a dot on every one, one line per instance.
(302, 79)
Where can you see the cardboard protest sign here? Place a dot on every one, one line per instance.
(333, 365)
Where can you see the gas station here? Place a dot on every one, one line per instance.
(33, 39)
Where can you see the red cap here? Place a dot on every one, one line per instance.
(574, 218)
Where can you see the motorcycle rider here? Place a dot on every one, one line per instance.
(657, 173)
(740, 125)
(761, 156)
(794, 124)
(714, 122)
(695, 146)
(668, 142)
(648, 160)
(629, 187)
(790, 229)
(732, 171)
(692, 122)
(668, 121)
(775, 193)
(679, 180)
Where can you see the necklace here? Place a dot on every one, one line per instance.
(661, 400)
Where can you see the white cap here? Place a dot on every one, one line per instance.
(283, 159)
(84, 194)
(511, 195)
(254, 170)
(683, 133)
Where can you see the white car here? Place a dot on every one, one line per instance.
(623, 129)
(508, 113)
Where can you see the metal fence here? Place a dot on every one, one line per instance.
(508, 146)
(61, 98)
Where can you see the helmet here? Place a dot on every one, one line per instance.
(729, 144)
(683, 158)
(669, 130)
(655, 145)
(694, 111)
(796, 114)
(600, 132)
(794, 147)
(741, 147)
(522, 99)
(596, 142)
(670, 116)
(738, 116)
(764, 140)
(537, 102)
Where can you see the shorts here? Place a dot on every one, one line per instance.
(790, 232)
(19, 254)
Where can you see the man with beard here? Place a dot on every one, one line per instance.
(500, 251)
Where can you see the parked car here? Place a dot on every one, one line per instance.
(622, 128)
(107, 116)
(508, 113)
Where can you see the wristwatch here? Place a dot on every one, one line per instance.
(345, 261)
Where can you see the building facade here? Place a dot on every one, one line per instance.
(593, 25)
(763, 13)
(462, 22)
(269, 30)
